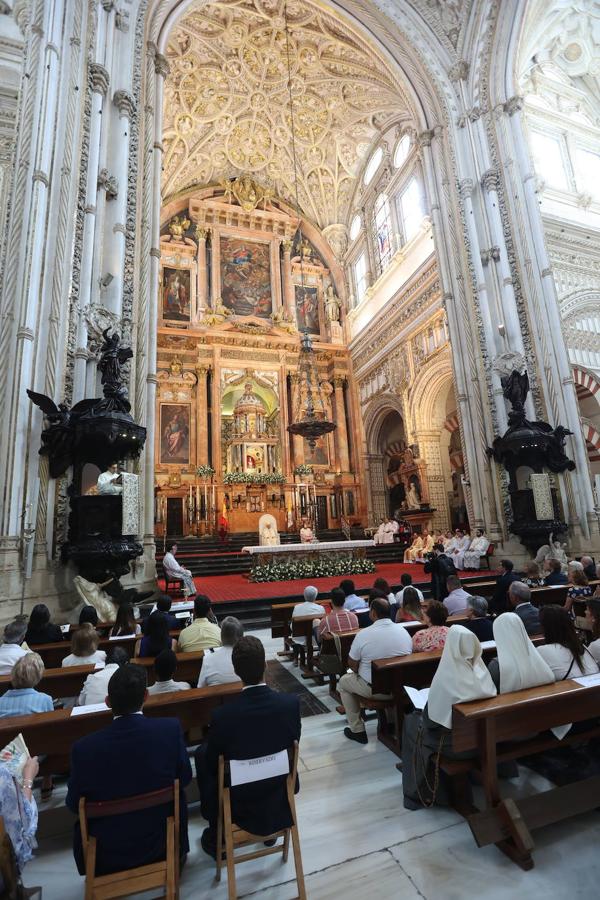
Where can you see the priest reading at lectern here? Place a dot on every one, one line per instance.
(109, 482)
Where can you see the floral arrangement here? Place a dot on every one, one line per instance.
(253, 478)
(303, 469)
(205, 471)
(312, 568)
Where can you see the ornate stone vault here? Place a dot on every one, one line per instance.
(226, 105)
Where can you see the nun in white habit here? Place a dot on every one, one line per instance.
(518, 664)
(460, 677)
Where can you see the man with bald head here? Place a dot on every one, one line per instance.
(381, 640)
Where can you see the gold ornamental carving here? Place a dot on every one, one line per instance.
(247, 192)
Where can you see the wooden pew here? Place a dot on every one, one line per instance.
(281, 622)
(53, 734)
(388, 676)
(68, 682)
(53, 654)
(542, 596)
(490, 730)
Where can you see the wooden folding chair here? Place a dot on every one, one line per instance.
(234, 836)
(164, 873)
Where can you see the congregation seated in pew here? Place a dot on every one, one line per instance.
(352, 602)
(217, 665)
(22, 699)
(11, 649)
(256, 723)
(460, 677)
(339, 620)
(125, 623)
(500, 601)
(406, 581)
(308, 607)
(165, 665)
(19, 813)
(592, 615)
(95, 686)
(433, 636)
(563, 650)
(382, 640)
(155, 637)
(478, 621)
(519, 598)
(204, 632)
(579, 587)
(88, 615)
(84, 648)
(456, 598)
(133, 755)
(554, 573)
(531, 575)
(40, 630)
(163, 605)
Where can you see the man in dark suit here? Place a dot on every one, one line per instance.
(589, 568)
(133, 755)
(499, 602)
(519, 597)
(555, 573)
(440, 567)
(258, 722)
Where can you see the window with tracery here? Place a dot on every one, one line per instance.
(360, 277)
(411, 209)
(382, 221)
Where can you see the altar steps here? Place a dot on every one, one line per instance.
(209, 556)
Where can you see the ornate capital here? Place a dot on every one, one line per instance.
(425, 138)
(161, 65)
(20, 11)
(109, 183)
(513, 105)
(122, 20)
(201, 232)
(459, 71)
(125, 103)
(155, 252)
(466, 188)
(287, 246)
(490, 180)
(338, 381)
(99, 78)
(202, 371)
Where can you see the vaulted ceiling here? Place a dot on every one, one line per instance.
(227, 105)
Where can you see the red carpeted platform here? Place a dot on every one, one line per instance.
(227, 588)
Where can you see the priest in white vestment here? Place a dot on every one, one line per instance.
(427, 547)
(389, 530)
(307, 535)
(108, 481)
(177, 572)
(459, 544)
(379, 534)
(477, 548)
(415, 549)
(269, 536)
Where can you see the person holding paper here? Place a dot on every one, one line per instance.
(519, 664)
(259, 722)
(460, 677)
(133, 755)
(381, 640)
(563, 650)
(19, 809)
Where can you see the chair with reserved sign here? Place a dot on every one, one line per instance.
(234, 773)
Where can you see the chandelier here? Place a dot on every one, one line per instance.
(311, 421)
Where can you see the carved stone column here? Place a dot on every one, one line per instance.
(341, 432)
(430, 451)
(297, 441)
(202, 301)
(202, 415)
(288, 285)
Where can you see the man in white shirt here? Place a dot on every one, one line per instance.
(217, 667)
(10, 649)
(164, 668)
(456, 601)
(108, 481)
(175, 571)
(406, 581)
(95, 686)
(308, 608)
(381, 640)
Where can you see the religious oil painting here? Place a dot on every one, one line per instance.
(307, 309)
(254, 458)
(175, 433)
(246, 277)
(176, 295)
(319, 456)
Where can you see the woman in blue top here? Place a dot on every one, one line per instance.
(22, 699)
(156, 636)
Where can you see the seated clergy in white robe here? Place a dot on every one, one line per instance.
(415, 549)
(478, 548)
(378, 537)
(427, 547)
(389, 530)
(460, 543)
(269, 536)
(307, 535)
(178, 573)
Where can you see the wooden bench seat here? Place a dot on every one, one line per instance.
(490, 728)
(53, 654)
(53, 734)
(68, 682)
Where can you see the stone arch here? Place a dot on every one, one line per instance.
(376, 414)
(426, 394)
(587, 383)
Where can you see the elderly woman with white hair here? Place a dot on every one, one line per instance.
(460, 677)
(22, 699)
(11, 648)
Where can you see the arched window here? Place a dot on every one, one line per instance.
(402, 148)
(360, 277)
(355, 227)
(411, 208)
(373, 165)
(383, 230)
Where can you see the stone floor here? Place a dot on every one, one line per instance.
(358, 841)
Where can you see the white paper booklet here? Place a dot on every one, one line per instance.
(91, 708)
(417, 698)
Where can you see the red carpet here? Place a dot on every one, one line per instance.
(223, 588)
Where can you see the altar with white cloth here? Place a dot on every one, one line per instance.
(265, 553)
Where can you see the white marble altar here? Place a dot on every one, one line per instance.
(318, 546)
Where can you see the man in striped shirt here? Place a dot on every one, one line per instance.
(339, 620)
